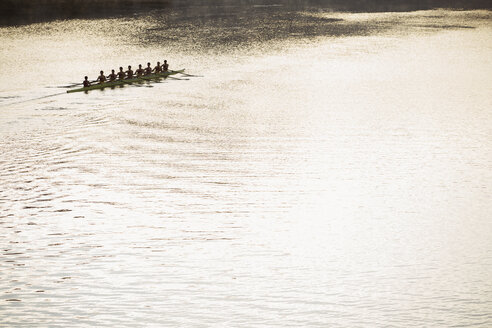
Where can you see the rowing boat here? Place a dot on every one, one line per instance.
(127, 81)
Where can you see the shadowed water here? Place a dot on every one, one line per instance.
(321, 169)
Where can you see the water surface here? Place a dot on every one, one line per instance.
(323, 169)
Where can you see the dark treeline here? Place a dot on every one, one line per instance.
(16, 12)
(401, 5)
(347, 5)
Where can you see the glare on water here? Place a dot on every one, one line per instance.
(312, 179)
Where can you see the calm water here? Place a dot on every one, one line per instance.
(323, 169)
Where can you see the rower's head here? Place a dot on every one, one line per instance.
(85, 77)
(165, 61)
(101, 72)
(158, 63)
(121, 69)
(129, 67)
(112, 71)
(140, 66)
(148, 64)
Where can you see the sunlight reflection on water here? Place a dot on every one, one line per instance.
(336, 179)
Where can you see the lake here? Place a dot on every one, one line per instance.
(319, 168)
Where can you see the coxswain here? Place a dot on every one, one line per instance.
(86, 82)
(101, 78)
(112, 76)
(121, 74)
(165, 66)
(139, 71)
(158, 68)
(129, 73)
(148, 69)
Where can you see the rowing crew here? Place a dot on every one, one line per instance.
(128, 74)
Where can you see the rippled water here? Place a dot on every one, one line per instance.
(336, 173)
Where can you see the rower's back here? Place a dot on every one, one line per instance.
(86, 82)
(129, 73)
(121, 74)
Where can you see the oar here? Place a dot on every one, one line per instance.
(137, 85)
(143, 77)
(175, 78)
(125, 82)
(75, 84)
(188, 74)
(158, 78)
(148, 78)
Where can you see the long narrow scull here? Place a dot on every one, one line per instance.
(127, 81)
